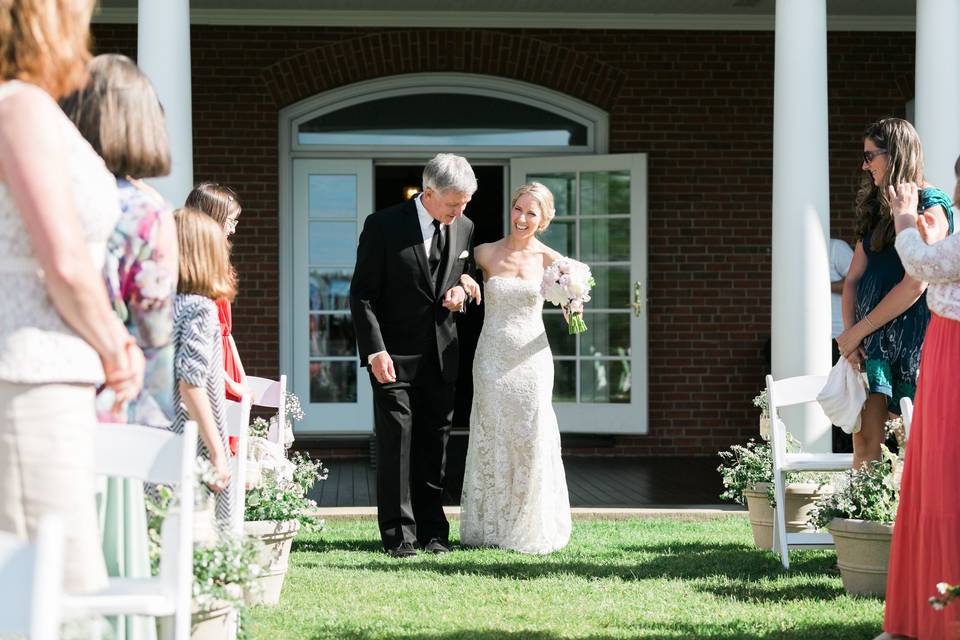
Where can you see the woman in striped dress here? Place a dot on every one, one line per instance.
(205, 276)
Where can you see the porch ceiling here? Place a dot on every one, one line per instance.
(891, 15)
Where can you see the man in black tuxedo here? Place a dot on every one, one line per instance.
(405, 291)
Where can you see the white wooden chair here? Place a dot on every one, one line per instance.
(162, 457)
(238, 423)
(785, 393)
(31, 582)
(906, 412)
(272, 394)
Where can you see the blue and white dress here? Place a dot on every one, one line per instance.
(199, 362)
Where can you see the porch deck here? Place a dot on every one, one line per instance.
(592, 482)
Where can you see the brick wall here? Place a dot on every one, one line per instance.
(700, 104)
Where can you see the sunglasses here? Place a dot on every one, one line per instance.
(868, 156)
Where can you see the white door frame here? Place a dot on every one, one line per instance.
(596, 120)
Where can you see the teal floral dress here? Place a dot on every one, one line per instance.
(893, 351)
(141, 276)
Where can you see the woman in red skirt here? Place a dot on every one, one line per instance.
(926, 536)
(221, 204)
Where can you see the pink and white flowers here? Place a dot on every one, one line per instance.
(567, 283)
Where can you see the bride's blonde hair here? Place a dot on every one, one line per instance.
(543, 198)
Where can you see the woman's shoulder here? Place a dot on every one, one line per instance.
(188, 306)
(549, 254)
(931, 196)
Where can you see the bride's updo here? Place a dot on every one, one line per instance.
(544, 200)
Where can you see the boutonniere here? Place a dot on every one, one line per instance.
(463, 255)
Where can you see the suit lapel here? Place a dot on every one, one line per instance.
(416, 243)
(450, 251)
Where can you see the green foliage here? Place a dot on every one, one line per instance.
(742, 467)
(280, 498)
(760, 402)
(869, 493)
(224, 569)
(259, 428)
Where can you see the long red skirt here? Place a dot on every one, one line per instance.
(926, 535)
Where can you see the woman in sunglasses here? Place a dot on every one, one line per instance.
(885, 311)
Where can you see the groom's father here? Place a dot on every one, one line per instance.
(404, 292)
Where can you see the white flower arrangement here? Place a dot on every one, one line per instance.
(566, 284)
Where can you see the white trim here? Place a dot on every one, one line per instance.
(595, 119)
(510, 20)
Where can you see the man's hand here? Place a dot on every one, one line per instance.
(382, 367)
(454, 299)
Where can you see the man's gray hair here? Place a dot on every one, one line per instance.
(447, 172)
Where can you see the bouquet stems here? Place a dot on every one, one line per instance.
(576, 324)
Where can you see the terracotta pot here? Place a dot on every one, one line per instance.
(211, 624)
(800, 499)
(277, 537)
(863, 552)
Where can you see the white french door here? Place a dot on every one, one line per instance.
(600, 383)
(331, 199)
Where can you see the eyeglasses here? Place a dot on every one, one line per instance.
(868, 156)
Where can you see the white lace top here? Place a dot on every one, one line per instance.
(36, 345)
(938, 264)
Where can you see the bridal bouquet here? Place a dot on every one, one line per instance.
(567, 283)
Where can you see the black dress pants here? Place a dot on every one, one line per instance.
(412, 422)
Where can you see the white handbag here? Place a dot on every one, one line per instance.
(843, 395)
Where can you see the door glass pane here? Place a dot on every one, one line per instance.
(608, 334)
(605, 381)
(330, 289)
(604, 192)
(560, 237)
(332, 335)
(333, 243)
(561, 342)
(604, 240)
(564, 189)
(332, 196)
(564, 380)
(333, 381)
(612, 290)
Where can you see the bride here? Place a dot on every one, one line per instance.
(514, 489)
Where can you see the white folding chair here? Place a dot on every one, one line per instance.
(31, 582)
(272, 394)
(162, 457)
(238, 422)
(906, 412)
(785, 393)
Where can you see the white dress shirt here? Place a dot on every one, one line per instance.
(426, 224)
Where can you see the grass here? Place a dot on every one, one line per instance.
(656, 578)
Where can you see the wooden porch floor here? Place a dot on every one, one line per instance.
(592, 482)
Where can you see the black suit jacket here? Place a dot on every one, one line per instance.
(392, 298)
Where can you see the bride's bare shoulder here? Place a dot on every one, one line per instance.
(548, 254)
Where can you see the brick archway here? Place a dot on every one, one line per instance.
(482, 52)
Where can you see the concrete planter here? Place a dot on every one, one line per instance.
(211, 624)
(800, 499)
(863, 553)
(277, 537)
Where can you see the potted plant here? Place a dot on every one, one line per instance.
(224, 566)
(275, 511)
(747, 473)
(760, 401)
(859, 515)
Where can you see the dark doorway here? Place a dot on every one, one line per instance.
(486, 210)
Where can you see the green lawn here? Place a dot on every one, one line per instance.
(656, 578)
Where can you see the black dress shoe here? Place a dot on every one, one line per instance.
(436, 546)
(405, 550)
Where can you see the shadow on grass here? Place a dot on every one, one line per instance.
(852, 631)
(688, 561)
(748, 591)
(319, 545)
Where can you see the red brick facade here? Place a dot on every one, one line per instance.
(700, 104)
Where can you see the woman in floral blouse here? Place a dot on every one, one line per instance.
(119, 114)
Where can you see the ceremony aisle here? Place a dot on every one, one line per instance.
(637, 578)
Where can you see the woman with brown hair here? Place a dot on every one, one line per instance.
(205, 276)
(221, 203)
(884, 309)
(59, 338)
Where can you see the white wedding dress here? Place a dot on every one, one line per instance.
(514, 488)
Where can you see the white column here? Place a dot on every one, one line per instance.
(800, 310)
(163, 53)
(937, 91)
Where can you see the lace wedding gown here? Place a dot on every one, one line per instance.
(514, 488)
